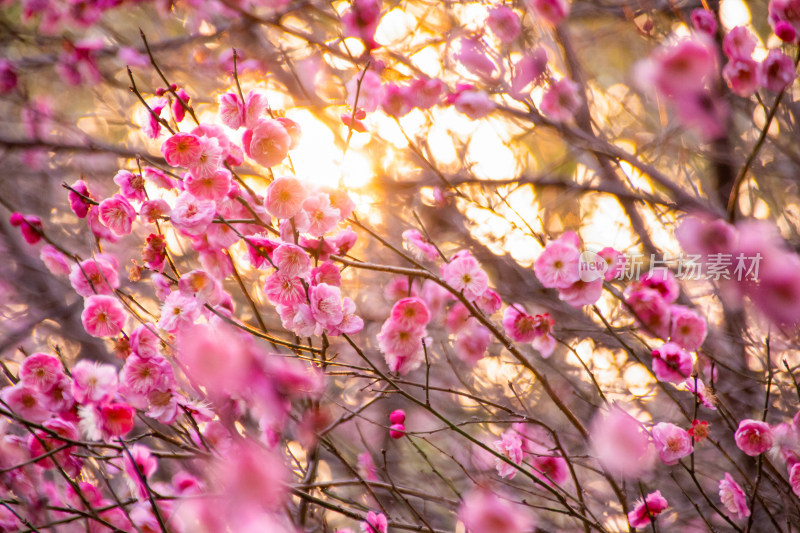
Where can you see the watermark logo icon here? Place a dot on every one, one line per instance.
(591, 266)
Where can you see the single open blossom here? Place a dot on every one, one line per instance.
(103, 316)
(482, 511)
(647, 510)
(144, 342)
(40, 371)
(753, 437)
(116, 419)
(621, 444)
(291, 260)
(688, 328)
(396, 102)
(699, 430)
(299, 319)
(509, 445)
(518, 324)
(671, 441)
(351, 323)
(489, 302)
(741, 75)
(54, 260)
(211, 186)
(561, 100)
(131, 185)
(582, 292)
(411, 313)
(284, 290)
(25, 401)
(93, 382)
(267, 143)
(671, 363)
(426, 92)
(685, 66)
(209, 160)
(776, 72)
(182, 149)
(733, 497)
(558, 265)
(178, 310)
(117, 214)
(739, 43)
(96, 275)
(326, 304)
(192, 215)
(472, 341)
(414, 242)
(401, 346)
(322, 216)
(465, 274)
(475, 104)
(504, 23)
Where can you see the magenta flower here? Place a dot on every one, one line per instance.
(776, 72)
(474, 103)
(375, 523)
(116, 419)
(414, 242)
(518, 324)
(551, 469)
(178, 310)
(29, 225)
(322, 216)
(103, 316)
(741, 75)
(96, 275)
(621, 444)
(144, 342)
(739, 43)
(685, 67)
(671, 441)
(582, 292)
(651, 310)
(733, 497)
(671, 363)
(77, 203)
(401, 346)
(40, 371)
(211, 186)
(646, 511)
(753, 437)
(704, 21)
(426, 92)
(787, 11)
(361, 21)
(703, 396)
(131, 185)
(139, 464)
(552, 11)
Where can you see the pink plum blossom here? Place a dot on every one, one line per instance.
(551, 11)
(322, 216)
(103, 316)
(326, 304)
(77, 199)
(361, 21)
(776, 72)
(182, 149)
(504, 23)
(426, 92)
(753, 437)
(475, 104)
(96, 275)
(291, 260)
(131, 185)
(401, 346)
(561, 100)
(509, 445)
(411, 313)
(178, 310)
(672, 442)
(93, 382)
(651, 310)
(704, 21)
(484, 512)
(472, 341)
(733, 497)
(191, 215)
(41, 371)
(739, 43)
(621, 444)
(465, 275)
(741, 75)
(211, 186)
(671, 363)
(414, 242)
(26, 401)
(116, 419)
(117, 214)
(375, 523)
(582, 292)
(284, 290)
(688, 328)
(267, 143)
(647, 510)
(557, 266)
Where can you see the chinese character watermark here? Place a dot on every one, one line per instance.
(713, 267)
